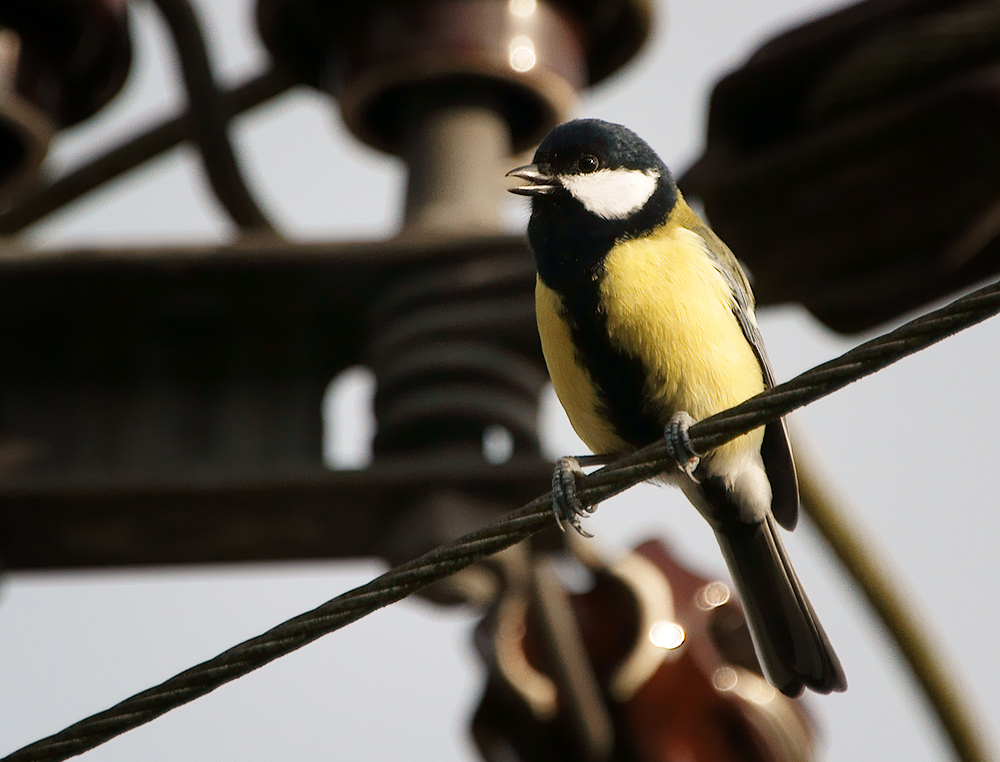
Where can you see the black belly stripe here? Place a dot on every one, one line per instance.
(620, 378)
(570, 244)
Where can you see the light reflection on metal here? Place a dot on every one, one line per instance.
(654, 599)
(724, 679)
(522, 53)
(712, 595)
(745, 684)
(667, 635)
(522, 8)
(498, 444)
(694, 679)
(777, 718)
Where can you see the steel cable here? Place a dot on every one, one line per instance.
(410, 577)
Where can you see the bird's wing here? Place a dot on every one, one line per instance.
(776, 450)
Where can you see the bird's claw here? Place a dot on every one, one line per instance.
(679, 443)
(566, 504)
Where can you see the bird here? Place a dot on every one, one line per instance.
(647, 324)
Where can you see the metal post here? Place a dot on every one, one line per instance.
(454, 154)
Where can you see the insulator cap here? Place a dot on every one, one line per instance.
(75, 54)
(524, 58)
(853, 162)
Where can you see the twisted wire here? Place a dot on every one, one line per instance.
(209, 117)
(142, 147)
(410, 577)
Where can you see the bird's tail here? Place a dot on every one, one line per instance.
(791, 645)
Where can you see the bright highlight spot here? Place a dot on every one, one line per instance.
(522, 53)
(712, 595)
(760, 693)
(746, 685)
(522, 8)
(725, 679)
(668, 635)
(349, 419)
(498, 444)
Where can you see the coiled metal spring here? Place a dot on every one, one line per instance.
(449, 351)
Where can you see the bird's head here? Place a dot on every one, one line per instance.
(602, 167)
(592, 184)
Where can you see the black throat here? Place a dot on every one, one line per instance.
(619, 377)
(570, 245)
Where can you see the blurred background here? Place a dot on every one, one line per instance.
(912, 448)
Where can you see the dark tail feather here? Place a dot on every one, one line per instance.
(791, 645)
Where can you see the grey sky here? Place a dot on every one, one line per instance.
(914, 448)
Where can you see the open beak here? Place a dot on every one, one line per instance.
(539, 184)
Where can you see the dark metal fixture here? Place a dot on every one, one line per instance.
(854, 162)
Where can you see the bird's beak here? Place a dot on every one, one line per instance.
(539, 183)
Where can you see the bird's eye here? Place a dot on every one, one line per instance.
(588, 163)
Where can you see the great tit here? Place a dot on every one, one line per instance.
(647, 322)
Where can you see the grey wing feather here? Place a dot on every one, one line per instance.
(776, 450)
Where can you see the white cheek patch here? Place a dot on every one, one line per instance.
(613, 194)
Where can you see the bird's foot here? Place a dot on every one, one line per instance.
(679, 443)
(566, 504)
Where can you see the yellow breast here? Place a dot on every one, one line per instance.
(572, 383)
(667, 305)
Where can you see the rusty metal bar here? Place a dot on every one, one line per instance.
(163, 405)
(300, 513)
